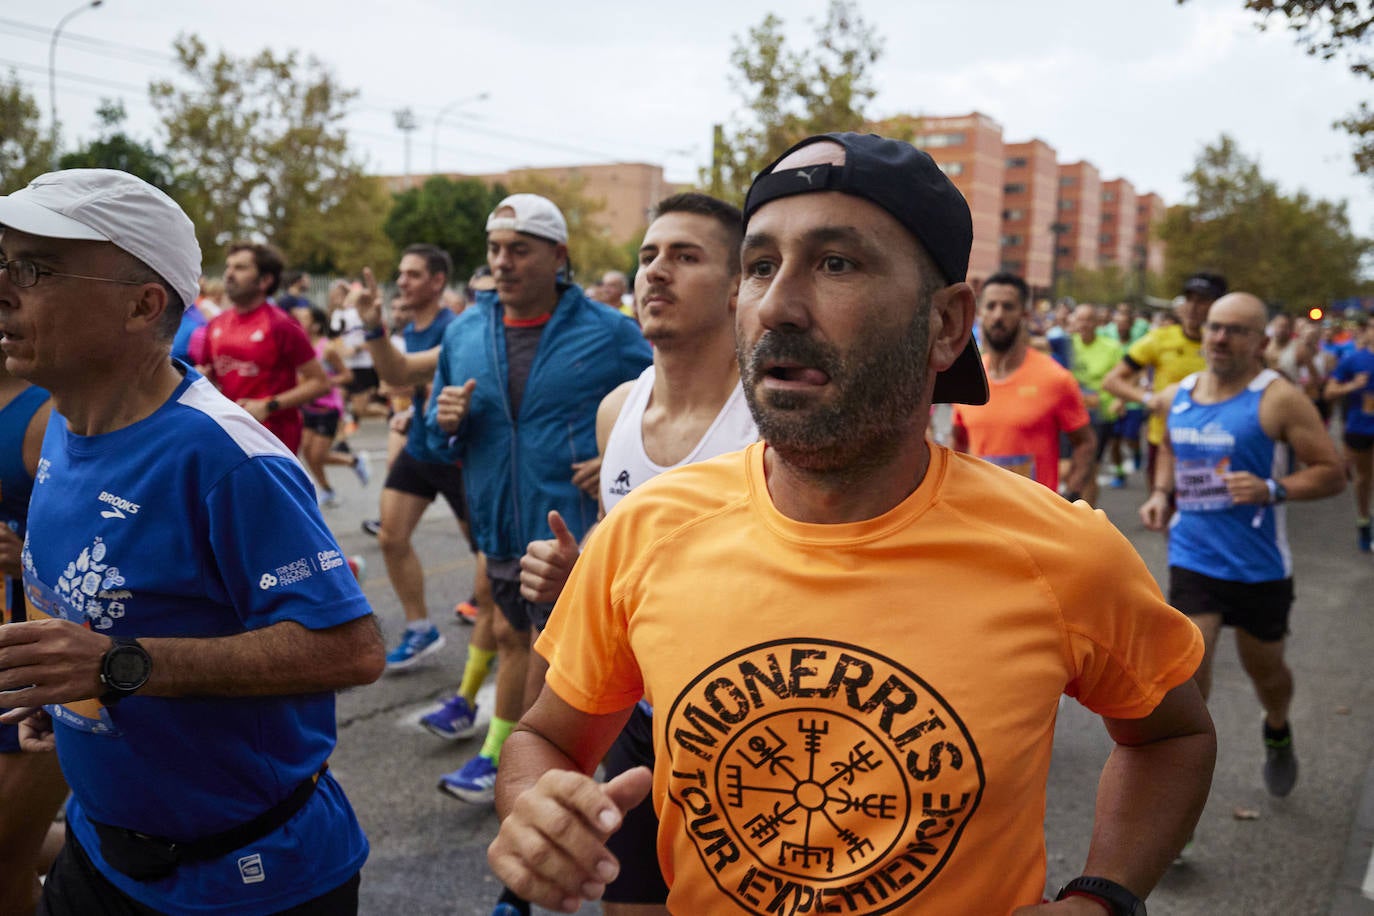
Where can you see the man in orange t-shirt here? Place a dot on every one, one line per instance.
(855, 641)
(1033, 399)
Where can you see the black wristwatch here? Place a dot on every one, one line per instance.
(1277, 492)
(376, 333)
(124, 669)
(1117, 899)
(273, 405)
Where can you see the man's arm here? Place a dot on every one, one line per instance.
(393, 366)
(1083, 442)
(546, 564)
(1152, 790)
(1159, 506)
(1336, 389)
(312, 383)
(1286, 415)
(1123, 381)
(555, 817)
(57, 661)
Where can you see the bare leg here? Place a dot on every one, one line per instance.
(32, 788)
(400, 514)
(1273, 680)
(1210, 625)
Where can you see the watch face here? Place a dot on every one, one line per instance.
(127, 667)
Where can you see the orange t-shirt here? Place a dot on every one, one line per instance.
(858, 718)
(1018, 428)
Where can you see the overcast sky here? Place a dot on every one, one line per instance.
(1135, 86)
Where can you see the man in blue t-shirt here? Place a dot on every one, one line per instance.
(190, 614)
(1353, 380)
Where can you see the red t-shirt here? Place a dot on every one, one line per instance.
(256, 355)
(1018, 428)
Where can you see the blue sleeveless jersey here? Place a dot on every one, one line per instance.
(15, 486)
(1209, 534)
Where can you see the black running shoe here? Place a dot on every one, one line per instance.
(1280, 765)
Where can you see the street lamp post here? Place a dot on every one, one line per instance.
(406, 124)
(434, 143)
(52, 68)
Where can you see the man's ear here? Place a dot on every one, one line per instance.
(952, 309)
(147, 305)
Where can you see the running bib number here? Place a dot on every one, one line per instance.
(83, 715)
(1019, 464)
(1201, 487)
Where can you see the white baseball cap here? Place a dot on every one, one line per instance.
(107, 205)
(534, 215)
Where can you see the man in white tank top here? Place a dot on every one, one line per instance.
(687, 407)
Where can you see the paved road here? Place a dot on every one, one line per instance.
(1254, 855)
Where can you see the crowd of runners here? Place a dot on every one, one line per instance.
(863, 429)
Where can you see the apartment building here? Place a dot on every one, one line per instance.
(1117, 232)
(1079, 220)
(1030, 193)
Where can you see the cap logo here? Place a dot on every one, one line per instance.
(806, 173)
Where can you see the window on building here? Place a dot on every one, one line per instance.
(1066, 204)
(1011, 241)
(1105, 238)
(1013, 267)
(1068, 181)
(1063, 251)
(952, 169)
(1108, 196)
(1014, 188)
(1016, 162)
(1014, 214)
(937, 141)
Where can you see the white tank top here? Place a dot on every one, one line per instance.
(625, 466)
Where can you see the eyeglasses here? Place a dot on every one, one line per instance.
(24, 274)
(1232, 330)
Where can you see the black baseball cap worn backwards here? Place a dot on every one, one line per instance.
(908, 184)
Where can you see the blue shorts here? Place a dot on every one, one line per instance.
(1129, 423)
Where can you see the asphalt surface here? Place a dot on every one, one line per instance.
(1307, 854)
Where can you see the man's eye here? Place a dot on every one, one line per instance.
(760, 269)
(835, 264)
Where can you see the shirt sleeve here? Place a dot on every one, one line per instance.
(1127, 647)
(1072, 411)
(1144, 351)
(274, 553)
(295, 345)
(586, 642)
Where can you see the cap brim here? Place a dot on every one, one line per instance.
(965, 382)
(26, 216)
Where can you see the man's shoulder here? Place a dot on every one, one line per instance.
(1008, 507)
(214, 427)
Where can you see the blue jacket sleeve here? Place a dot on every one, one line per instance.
(634, 349)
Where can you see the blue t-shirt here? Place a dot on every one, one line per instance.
(1359, 405)
(418, 342)
(1209, 533)
(191, 319)
(195, 522)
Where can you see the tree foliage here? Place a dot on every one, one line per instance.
(259, 149)
(450, 214)
(25, 149)
(1332, 29)
(114, 149)
(791, 94)
(1284, 248)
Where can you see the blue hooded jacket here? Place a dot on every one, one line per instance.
(517, 468)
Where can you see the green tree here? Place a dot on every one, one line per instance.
(262, 144)
(25, 149)
(450, 214)
(114, 149)
(1289, 249)
(790, 94)
(1332, 29)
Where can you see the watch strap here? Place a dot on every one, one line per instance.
(1118, 900)
(113, 692)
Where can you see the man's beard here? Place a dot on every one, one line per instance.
(878, 386)
(1003, 342)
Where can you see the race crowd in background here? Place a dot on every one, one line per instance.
(759, 414)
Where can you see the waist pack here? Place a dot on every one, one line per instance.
(148, 858)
